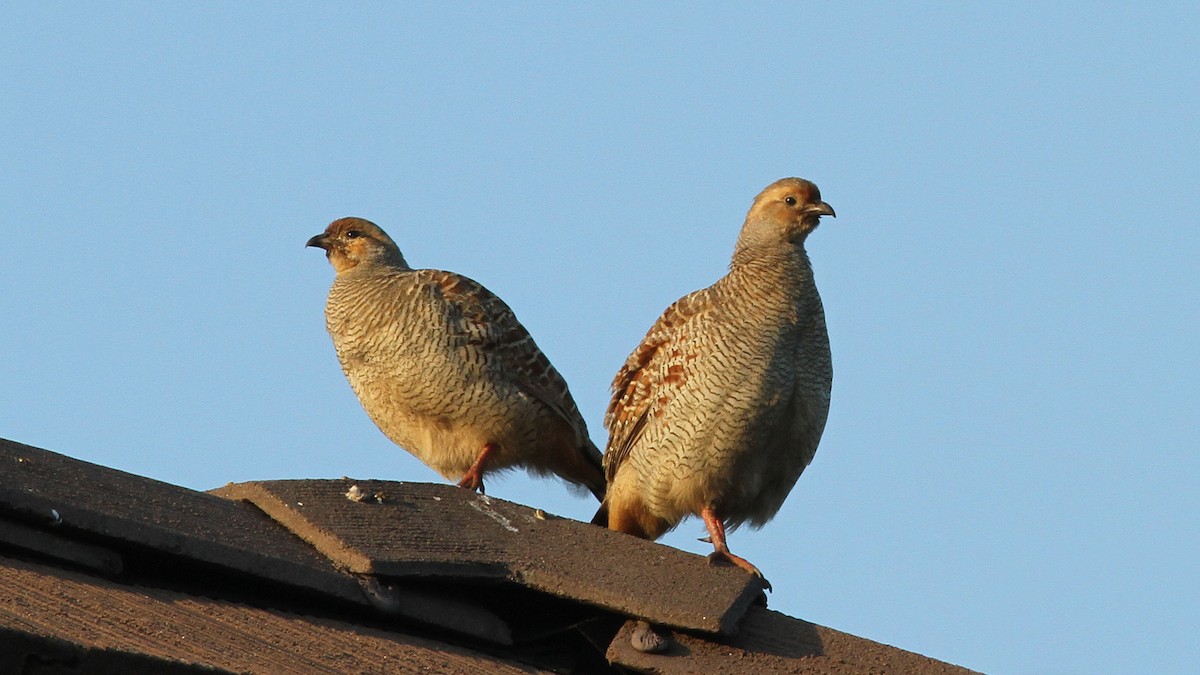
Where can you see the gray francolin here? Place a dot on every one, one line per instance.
(720, 408)
(445, 370)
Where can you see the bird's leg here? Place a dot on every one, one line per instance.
(716, 533)
(473, 478)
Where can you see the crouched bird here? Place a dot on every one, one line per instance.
(444, 368)
(721, 407)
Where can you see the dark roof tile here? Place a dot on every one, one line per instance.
(67, 495)
(56, 497)
(770, 642)
(96, 625)
(420, 529)
(478, 584)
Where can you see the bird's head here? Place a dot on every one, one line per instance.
(785, 211)
(350, 242)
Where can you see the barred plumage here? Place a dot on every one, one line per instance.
(445, 370)
(721, 407)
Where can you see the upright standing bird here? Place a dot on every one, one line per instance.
(720, 408)
(445, 370)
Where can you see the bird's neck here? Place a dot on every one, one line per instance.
(367, 268)
(777, 277)
(781, 259)
(393, 260)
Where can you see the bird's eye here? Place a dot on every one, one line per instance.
(790, 200)
(353, 234)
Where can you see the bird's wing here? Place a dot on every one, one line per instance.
(651, 376)
(491, 339)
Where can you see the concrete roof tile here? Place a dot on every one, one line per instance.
(64, 495)
(420, 529)
(770, 643)
(515, 581)
(98, 625)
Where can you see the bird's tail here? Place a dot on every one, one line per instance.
(594, 481)
(601, 517)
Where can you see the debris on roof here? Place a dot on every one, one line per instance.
(105, 571)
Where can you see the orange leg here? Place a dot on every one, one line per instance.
(716, 533)
(473, 478)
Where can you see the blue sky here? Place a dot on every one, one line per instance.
(1008, 477)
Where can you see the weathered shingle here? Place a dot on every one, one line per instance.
(86, 624)
(53, 501)
(769, 642)
(103, 571)
(420, 529)
(67, 496)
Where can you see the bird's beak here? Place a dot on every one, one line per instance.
(821, 209)
(319, 241)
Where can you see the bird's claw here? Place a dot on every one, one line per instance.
(473, 482)
(725, 557)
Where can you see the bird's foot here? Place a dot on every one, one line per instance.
(473, 478)
(473, 481)
(716, 535)
(718, 557)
